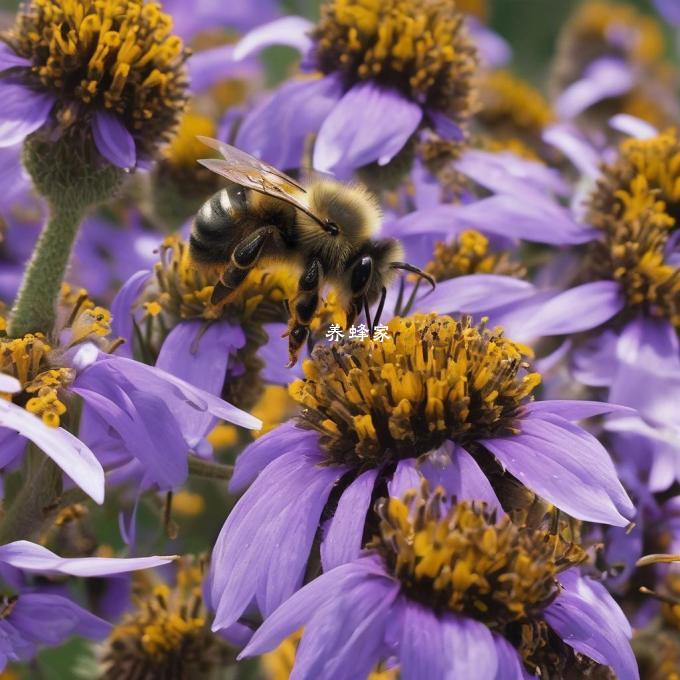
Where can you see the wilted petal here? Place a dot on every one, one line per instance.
(113, 140)
(291, 31)
(368, 124)
(23, 112)
(32, 557)
(68, 452)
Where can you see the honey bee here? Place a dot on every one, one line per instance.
(322, 227)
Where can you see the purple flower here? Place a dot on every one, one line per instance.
(34, 616)
(373, 415)
(127, 104)
(428, 595)
(371, 96)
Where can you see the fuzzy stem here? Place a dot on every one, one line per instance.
(36, 501)
(36, 304)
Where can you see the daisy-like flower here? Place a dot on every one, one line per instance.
(124, 404)
(167, 633)
(381, 72)
(452, 591)
(111, 70)
(32, 616)
(437, 398)
(610, 60)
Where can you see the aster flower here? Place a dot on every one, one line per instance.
(34, 616)
(381, 72)
(669, 10)
(610, 60)
(438, 398)
(167, 632)
(116, 72)
(451, 591)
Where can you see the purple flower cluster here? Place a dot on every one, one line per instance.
(487, 488)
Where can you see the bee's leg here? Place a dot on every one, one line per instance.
(243, 258)
(303, 308)
(360, 277)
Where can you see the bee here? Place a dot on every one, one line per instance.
(321, 227)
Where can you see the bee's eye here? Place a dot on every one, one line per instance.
(331, 227)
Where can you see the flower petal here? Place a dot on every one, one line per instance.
(342, 542)
(113, 140)
(368, 124)
(10, 59)
(9, 384)
(510, 665)
(217, 64)
(405, 477)
(32, 557)
(23, 112)
(122, 324)
(632, 126)
(603, 79)
(469, 648)
(569, 141)
(574, 409)
(68, 452)
(291, 31)
(264, 544)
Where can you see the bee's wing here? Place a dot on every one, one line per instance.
(240, 159)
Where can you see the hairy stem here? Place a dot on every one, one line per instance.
(36, 304)
(35, 502)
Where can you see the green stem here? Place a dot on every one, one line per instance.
(209, 470)
(36, 501)
(36, 304)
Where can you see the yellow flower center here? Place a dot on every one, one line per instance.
(636, 205)
(185, 149)
(119, 55)
(431, 379)
(469, 254)
(461, 559)
(419, 48)
(167, 635)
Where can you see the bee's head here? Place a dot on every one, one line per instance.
(345, 211)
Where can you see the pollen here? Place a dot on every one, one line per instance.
(432, 379)
(462, 559)
(166, 635)
(469, 254)
(420, 49)
(636, 206)
(119, 55)
(512, 113)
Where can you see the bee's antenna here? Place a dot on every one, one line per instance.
(414, 270)
(367, 312)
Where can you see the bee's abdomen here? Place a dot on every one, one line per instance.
(213, 231)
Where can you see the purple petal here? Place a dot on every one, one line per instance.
(264, 544)
(68, 452)
(567, 466)
(577, 309)
(510, 665)
(23, 112)
(274, 354)
(31, 557)
(405, 478)
(456, 470)
(421, 647)
(217, 64)
(300, 607)
(570, 142)
(670, 10)
(445, 127)
(113, 140)
(51, 619)
(122, 312)
(590, 621)
(342, 542)
(286, 438)
(469, 648)
(9, 384)
(604, 78)
(277, 128)
(632, 126)
(473, 294)
(10, 59)
(291, 31)
(200, 354)
(368, 124)
(493, 50)
(573, 409)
